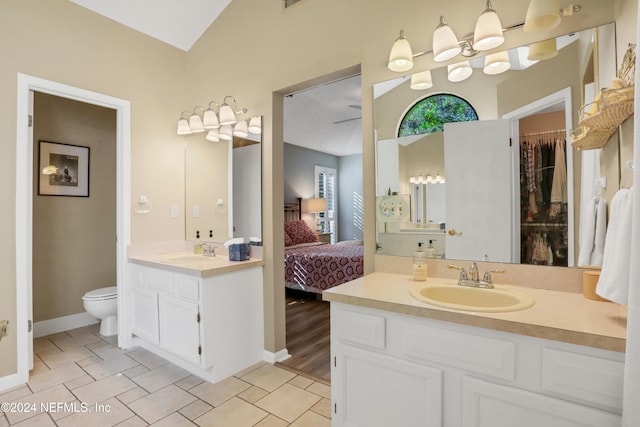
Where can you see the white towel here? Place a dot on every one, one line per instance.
(592, 233)
(614, 278)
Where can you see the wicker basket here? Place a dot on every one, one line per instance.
(609, 111)
(584, 138)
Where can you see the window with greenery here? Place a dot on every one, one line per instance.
(430, 114)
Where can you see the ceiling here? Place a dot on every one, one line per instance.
(178, 23)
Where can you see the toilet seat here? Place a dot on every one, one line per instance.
(101, 294)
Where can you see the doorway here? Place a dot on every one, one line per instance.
(24, 205)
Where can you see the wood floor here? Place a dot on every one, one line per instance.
(308, 339)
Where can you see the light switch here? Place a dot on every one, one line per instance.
(174, 211)
(195, 211)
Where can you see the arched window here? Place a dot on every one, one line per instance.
(431, 113)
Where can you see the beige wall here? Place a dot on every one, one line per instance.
(74, 238)
(62, 42)
(254, 49)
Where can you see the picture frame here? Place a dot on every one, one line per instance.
(63, 169)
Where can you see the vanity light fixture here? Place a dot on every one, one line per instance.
(459, 71)
(445, 42)
(421, 80)
(255, 125)
(496, 63)
(213, 135)
(488, 31)
(183, 124)
(226, 133)
(190, 123)
(544, 15)
(228, 114)
(400, 58)
(543, 50)
(210, 118)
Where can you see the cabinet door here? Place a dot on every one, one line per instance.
(180, 327)
(374, 390)
(144, 314)
(490, 405)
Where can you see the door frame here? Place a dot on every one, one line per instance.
(564, 95)
(24, 204)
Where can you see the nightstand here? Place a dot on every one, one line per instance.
(324, 237)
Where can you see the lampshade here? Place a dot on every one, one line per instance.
(227, 116)
(421, 80)
(459, 72)
(400, 58)
(255, 125)
(314, 205)
(210, 119)
(241, 129)
(195, 123)
(542, 50)
(445, 43)
(183, 127)
(488, 32)
(497, 63)
(213, 135)
(542, 15)
(226, 132)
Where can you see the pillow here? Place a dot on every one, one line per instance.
(287, 240)
(299, 232)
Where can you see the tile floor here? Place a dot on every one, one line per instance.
(82, 379)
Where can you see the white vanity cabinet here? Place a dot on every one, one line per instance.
(211, 326)
(401, 370)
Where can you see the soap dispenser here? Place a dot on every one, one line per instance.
(431, 251)
(420, 265)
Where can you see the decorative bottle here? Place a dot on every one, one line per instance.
(420, 265)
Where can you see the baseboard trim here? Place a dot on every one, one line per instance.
(279, 356)
(61, 324)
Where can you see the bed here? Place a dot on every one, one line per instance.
(314, 266)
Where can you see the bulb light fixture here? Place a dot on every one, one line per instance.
(496, 63)
(459, 71)
(445, 42)
(421, 80)
(488, 32)
(209, 119)
(401, 57)
(543, 50)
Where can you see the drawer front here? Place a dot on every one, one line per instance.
(593, 379)
(159, 280)
(187, 287)
(483, 355)
(358, 328)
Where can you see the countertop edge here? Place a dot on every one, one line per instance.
(236, 266)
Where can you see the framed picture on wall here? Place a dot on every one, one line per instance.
(63, 170)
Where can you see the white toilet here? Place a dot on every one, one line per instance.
(102, 304)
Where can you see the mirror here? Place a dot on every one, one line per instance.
(584, 59)
(223, 188)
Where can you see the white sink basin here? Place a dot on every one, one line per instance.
(453, 296)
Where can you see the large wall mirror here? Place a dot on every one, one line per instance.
(464, 189)
(223, 194)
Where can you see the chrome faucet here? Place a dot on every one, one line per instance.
(473, 272)
(472, 278)
(208, 249)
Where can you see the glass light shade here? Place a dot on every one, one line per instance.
(227, 116)
(314, 205)
(213, 135)
(488, 32)
(445, 42)
(497, 63)
(412, 180)
(420, 179)
(195, 123)
(241, 129)
(226, 132)
(401, 57)
(210, 119)
(255, 125)
(183, 127)
(542, 15)
(421, 80)
(542, 50)
(459, 71)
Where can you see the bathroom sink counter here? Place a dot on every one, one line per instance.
(559, 316)
(185, 263)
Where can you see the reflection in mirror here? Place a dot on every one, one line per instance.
(223, 194)
(564, 81)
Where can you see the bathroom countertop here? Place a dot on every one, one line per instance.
(186, 263)
(559, 316)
